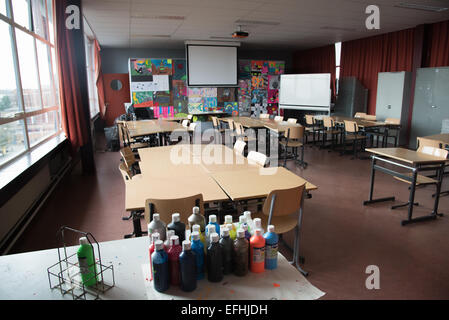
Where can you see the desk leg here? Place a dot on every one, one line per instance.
(297, 257)
(371, 190)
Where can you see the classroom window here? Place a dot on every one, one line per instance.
(337, 64)
(91, 76)
(29, 88)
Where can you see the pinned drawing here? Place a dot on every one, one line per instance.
(273, 96)
(163, 112)
(142, 99)
(161, 66)
(256, 65)
(195, 107)
(226, 94)
(179, 70)
(273, 81)
(210, 104)
(257, 82)
(231, 108)
(140, 67)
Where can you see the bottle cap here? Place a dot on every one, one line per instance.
(242, 219)
(224, 232)
(245, 227)
(174, 240)
(195, 235)
(170, 233)
(83, 240)
(175, 217)
(212, 218)
(159, 245)
(155, 236)
(196, 210)
(186, 245)
(214, 237)
(211, 228)
(258, 223)
(247, 214)
(228, 219)
(156, 217)
(258, 232)
(196, 227)
(270, 228)
(240, 233)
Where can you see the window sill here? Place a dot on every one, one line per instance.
(16, 174)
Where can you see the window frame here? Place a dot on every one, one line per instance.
(22, 114)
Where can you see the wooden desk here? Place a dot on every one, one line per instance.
(413, 161)
(149, 127)
(442, 138)
(360, 122)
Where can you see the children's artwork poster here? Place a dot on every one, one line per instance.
(161, 66)
(163, 112)
(259, 96)
(245, 87)
(257, 82)
(245, 69)
(179, 70)
(209, 92)
(256, 65)
(226, 94)
(143, 99)
(162, 99)
(273, 82)
(140, 67)
(231, 108)
(272, 108)
(265, 67)
(276, 67)
(210, 104)
(273, 96)
(195, 107)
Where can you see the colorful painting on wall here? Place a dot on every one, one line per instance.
(143, 99)
(231, 108)
(179, 70)
(210, 104)
(226, 94)
(162, 66)
(140, 67)
(195, 107)
(164, 112)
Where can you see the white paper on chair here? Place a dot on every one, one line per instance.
(283, 283)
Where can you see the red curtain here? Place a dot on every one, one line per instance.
(72, 112)
(317, 60)
(99, 78)
(365, 58)
(438, 45)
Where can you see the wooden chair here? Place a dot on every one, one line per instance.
(218, 131)
(294, 140)
(392, 130)
(354, 135)
(240, 134)
(133, 143)
(239, 147)
(279, 118)
(264, 116)
(185, 123)
(257, 158)
(231, 131)
(191, 130)
(129, 159)
(311, 127)
(360, 115)
(292, 120)
(166, 207)
(370, 117)
(429, 147)
(283, 209)
(329, 128)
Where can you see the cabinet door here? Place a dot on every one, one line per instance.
(390, 93)
(431, 104)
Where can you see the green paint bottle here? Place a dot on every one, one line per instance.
(86, 261)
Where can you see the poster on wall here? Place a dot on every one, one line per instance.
(161, 66)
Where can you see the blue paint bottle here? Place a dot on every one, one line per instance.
(198, 249)
(187, 266)
(213, 221)
(271, 248)
(159, 259)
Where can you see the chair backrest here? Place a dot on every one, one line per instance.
(278, 118)
(264, 116)
(309, 119)
(215, 122)
(370, 117)
(128, 156)
(231, 125)
(351, 126)
(239, 128)
(193, 125)
(239, 146)
(185, 123)
(257, 157)
(393, 121)
(423, 142)
(295, 132)
(328, 122)
(286, 201)
(360, 115)
(292, 120)
(166, 207)
(126, 174)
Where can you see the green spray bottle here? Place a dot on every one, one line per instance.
(86, 261)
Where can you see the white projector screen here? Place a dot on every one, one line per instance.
(305, 90)
(211, 65)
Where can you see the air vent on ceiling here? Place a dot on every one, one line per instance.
(256, 22)
(337, 28)
(143, 16)
(423, 7)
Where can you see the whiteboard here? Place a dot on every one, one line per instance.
(305, 90)
(210, 65)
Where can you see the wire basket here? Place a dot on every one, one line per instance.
(65, 275)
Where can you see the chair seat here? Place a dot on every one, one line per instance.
(420, 179)
(332, 131)
(246, 138)
(291, 143)
(282, 224)
(311, 129)
(354, 137)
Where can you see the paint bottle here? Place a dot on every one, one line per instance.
(243, 222)
(173, 260)
(210, 228)
(197, 218)
(214, 260)
(197, 228)
(167, 242)
(213, 221)
(157, 225)
(271, 248)
(159, 258)
(198, 249)
(227, 246)
(247, 234)
(232, 230)
(258, 225)
(154, 237)
(177, 226)
(240, 257)
(249, 221)
(187, 266)
(257, 252)
(86, 262)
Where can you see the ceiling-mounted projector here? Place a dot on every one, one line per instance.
(240, 34)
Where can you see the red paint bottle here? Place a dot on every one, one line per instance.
(154, 237)
(173, 260)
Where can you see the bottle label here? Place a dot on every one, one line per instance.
(258, 255)
(271, 251)
(84, 266)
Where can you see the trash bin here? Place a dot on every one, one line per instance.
(112, 139)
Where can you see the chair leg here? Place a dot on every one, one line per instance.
(137, 229)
